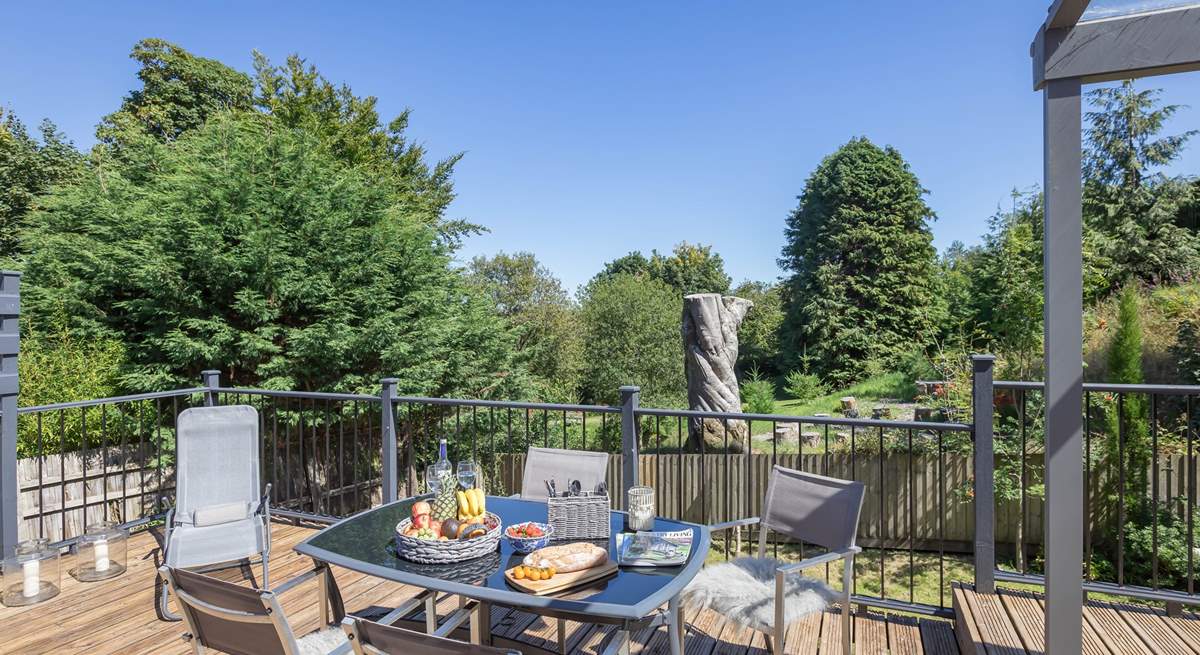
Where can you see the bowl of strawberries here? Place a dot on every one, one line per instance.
(528, 537)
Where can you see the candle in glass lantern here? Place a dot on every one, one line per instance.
(101, 556)
(31, 574)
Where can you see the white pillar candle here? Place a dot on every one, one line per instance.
(32, 583)
(101, 554)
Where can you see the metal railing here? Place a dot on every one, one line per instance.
(1139, 486)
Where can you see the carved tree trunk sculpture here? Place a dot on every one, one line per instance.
(710, 343)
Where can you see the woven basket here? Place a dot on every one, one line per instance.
(579, 517)
(426, 551)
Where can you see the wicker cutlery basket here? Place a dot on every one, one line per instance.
(579, 517)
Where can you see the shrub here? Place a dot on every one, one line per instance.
(758, 394)
(804, 386)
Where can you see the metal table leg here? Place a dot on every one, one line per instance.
(481, 624)
(619, 644)
(675, 627)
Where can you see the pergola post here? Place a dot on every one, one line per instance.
(1063, 334)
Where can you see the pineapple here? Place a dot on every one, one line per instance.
(445, 506)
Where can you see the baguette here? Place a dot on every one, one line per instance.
(568, 558)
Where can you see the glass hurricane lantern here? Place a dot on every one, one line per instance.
(101, 553)
(31, 575)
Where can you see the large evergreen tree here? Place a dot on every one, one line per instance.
(860, 252)
(295, 244)
(29, 167)
(1131, 208)
(690, 268)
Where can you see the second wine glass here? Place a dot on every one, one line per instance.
(467, 471)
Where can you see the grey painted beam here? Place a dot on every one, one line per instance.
(10, 309)
(1065, 13)
(1063, 335)
(982, 402)
(1125, 47)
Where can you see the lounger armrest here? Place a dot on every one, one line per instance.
(733, 524)
(298, 580)
(824, 558)
(264, 503)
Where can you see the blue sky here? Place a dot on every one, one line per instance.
(594, 129)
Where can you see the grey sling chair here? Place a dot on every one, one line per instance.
(370, 638)
(221, 515)
(766, 595)
(230, 618)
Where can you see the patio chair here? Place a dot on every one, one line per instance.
(370, 638)
(233, 619)
(561, 466)
(219, 515)
(766, 595)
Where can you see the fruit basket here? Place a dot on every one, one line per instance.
(426, 550)
(454, 527)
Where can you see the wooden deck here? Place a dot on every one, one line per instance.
(1010, 622)
(117, 616)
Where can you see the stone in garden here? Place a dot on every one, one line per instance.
(786, 432)
(811, 438)
(710, 350)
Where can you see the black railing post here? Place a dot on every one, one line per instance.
(211, 381)
(982, 403)
(387, 396)
(629, 440)
(10, 337)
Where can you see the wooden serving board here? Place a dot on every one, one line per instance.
(562, 581)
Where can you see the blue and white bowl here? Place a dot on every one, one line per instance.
(526, 545)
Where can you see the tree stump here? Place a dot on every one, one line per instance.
(710, 346)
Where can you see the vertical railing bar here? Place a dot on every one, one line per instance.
(884, 523)
(41, 499)
(1121, 489)
(104, 462)
(1154, 489)
(941, 520)
(1191, 500)
(912, 510)
(1021, 419)
(564, 427)
(342, 459)
(853, 476)
(774, 462)
(62, 474)
(1087, 481)
(328, 491)
(728, 490)
(141, 405)
(679, 462)
(83, 437)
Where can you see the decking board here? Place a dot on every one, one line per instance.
(988, 624)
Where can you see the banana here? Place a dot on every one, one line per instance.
(463, 503)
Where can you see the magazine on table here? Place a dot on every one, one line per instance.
(654, 548)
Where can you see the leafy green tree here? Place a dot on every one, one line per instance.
(29, 167)
(631, 328)
(272, 250)
(758, 393)
(549, 335)
(179, 92)
(1006, 290)
(691, 269)
(861, 256)
(758, 337)
(1132, 209)
(803, 386)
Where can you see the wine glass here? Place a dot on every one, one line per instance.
(466, 473)
(433, 479)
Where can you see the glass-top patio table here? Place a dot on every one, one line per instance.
(631, 600)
